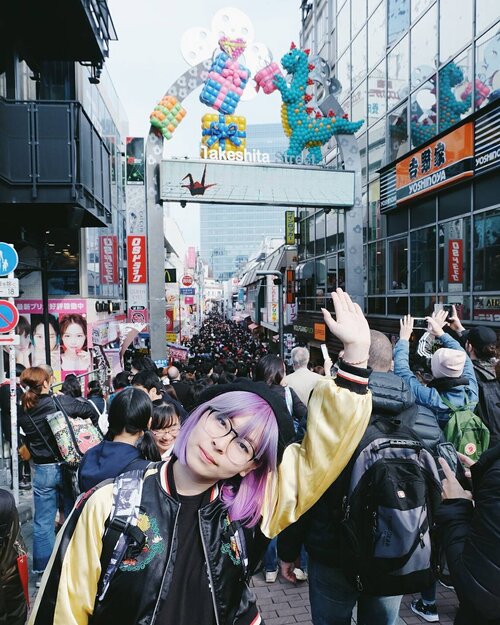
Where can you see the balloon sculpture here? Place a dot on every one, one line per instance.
(304, 130)
(450, 109)
(224, 132)
(167, 115)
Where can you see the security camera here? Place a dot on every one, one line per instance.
(183, 204)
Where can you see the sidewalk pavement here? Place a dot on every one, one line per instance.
(283, 603)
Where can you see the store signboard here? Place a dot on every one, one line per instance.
(455, 261)
(108, 259)
(136, 259)
(443, 161)
(290, 227)
(487, 141)
(135, 160)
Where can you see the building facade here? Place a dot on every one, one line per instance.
(425, 76)
(229, 235)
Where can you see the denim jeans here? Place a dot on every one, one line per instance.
(270, 560)
(47, 490)
(333, 599)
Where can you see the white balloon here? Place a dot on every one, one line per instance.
(233, 23)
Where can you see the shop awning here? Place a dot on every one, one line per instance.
(252, 326)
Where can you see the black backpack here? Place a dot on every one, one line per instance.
(392, 490)
(488, 407)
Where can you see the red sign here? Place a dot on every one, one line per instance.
(108, 259)
(169, 314)
(187, 280)
(455, 261)
(9, 316)
(136, 259)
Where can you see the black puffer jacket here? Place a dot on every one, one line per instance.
(470, 535)
(39, 438)
(13, 609)
(319, 529)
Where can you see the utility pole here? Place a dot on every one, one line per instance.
(278, 281)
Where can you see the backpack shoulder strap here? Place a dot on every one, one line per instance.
(121, 527)
(448, 403)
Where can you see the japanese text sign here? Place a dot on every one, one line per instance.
(136, 259)
(445, 160)
(108, 259)
(455, 261)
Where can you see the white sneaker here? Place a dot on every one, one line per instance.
(271, 576)
(300, 575)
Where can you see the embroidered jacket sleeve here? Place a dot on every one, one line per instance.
(337, 417)
(69, 585)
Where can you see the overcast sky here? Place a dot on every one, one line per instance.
(147, 59)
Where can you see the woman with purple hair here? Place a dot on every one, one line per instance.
(232, 482)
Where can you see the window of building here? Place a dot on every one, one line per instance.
(398, 264)
(358, 17)
(454, 202)
(487, 251)
(320, 232)
(418, 7)
(397, 222)
(376, 306)
(454, 255)
(331, 231)
(377, 93)
(321, 26)
(344, 27)
(423, 212)
(398, 306)
(358, 101)
(487, 55)
(341, 269)
(376, 148)
(486, 191)
(455, 90)
(424, 48)
(398, 132)
(372, 4)
(331, 273)
(376, 268)
(3, 84)
(376, 36)
(455, 26)
(344, 73)
(358, 56)
(423, 260)
(376, 221)
(398, 72)
(486, 14)
(362, 139)
(398, 19)
(423, 113)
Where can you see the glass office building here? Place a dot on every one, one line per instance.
(229, 235)
(425, 77)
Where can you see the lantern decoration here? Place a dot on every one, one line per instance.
(167, 115)
(306, 127)
(225, 133)
(227, 78)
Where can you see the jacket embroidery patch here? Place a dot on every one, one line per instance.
(154, 545)
(229, 545)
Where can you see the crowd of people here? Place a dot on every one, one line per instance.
(234, 462)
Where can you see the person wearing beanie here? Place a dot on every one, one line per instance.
(480, 343)
(232, 482)
(452, 370)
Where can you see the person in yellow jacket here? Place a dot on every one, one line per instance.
(203, 516)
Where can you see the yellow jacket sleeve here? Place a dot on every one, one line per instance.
(336, 422)
(80, 566)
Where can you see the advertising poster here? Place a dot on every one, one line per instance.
(107, 342)
(135, 160)
(70, 340)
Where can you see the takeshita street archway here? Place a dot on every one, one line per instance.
(178, 91)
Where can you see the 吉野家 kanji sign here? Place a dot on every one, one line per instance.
(136, 259)
(108, 259)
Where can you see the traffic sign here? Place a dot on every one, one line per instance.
(9, 316)
(187, 280)
(9, 339)
(8, 259)
(9, 287)
(190, 291)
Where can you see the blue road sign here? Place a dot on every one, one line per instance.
(9, 316)
(8, 259)
(189, 291)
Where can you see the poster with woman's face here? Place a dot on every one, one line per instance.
(68, 336)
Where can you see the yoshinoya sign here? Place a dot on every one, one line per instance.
(487, 141)
(217, 182)
(448, 159)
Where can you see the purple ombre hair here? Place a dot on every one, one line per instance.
(243, 496)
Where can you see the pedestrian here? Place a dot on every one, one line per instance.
(302, 380)
(47, 471)
(231, 476)
(165, 427)
(128, 444)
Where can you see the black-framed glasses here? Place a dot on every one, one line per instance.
(173, 430)
(240, 450)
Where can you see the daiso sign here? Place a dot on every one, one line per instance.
(136, 259)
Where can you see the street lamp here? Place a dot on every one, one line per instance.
(279, 283)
